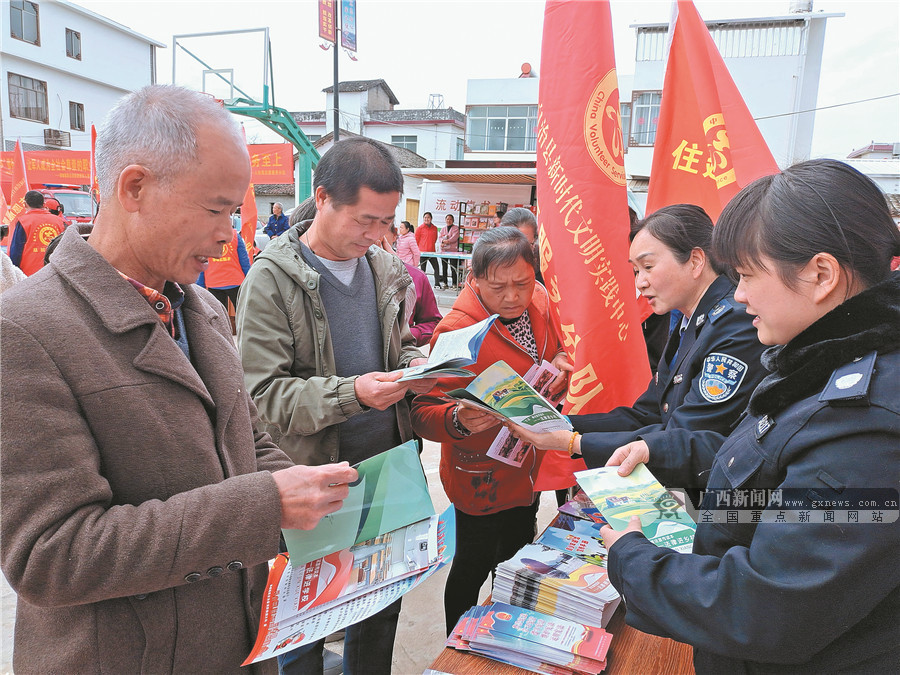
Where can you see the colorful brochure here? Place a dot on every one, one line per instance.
(501, 391)
(580, 506)
(452, 351)
(391, 492)
(575, 537)
(507, 448)
(304, 604)
(664, 520)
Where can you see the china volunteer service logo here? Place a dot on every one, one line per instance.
(46, 234)
(603, 129)
(722, 377)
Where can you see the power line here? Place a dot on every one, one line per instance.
(827, 107)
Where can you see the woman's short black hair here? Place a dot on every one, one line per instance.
(818, 206)
(408, 225)
(682, 228)
(500, 247)
(519, 216)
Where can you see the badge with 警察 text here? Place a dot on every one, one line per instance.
(722, 377)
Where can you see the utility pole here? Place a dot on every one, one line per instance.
(336, 97)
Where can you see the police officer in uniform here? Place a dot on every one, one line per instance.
(808, 582)
(708, 368)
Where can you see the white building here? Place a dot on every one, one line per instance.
(63, 67)
(367, 109)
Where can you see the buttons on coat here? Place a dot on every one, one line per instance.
(678, 379)
(234, 565)
(311, 284)
(214, 571)
(192, 577)
(665, 407)
(140, 596)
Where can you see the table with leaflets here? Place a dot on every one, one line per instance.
(632, 651)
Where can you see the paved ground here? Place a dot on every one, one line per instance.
(420, 634)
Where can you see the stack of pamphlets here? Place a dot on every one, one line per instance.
(303, 604)
(663, 519)
(452, 351)
(531, 640)
(551, 581)
(575, 537)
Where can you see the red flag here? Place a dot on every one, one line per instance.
(249, 215)
(17, 192)
(95, 182)
(707, 146)
(583, 217)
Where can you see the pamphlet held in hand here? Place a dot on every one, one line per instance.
(452, 352)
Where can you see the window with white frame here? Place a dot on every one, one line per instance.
(644, 117)
(460, 148)
(625, 119)
(73, 44)
(76, 116)
(23, 21)
(408, 142)
(501, 128)
(27, 98)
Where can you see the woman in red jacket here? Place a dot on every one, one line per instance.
(495, 503)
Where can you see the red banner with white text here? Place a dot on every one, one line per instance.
(18, 187)
(583, 217)
(271, 163)
(707, 146)
(65, 167)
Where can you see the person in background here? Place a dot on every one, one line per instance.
(421, 308)
(306, 210)
(709, 368)
(278, 222)
(141, 504)
(56, 208)
(523, 219)
(224, 275)
(449, 244)
(495, 503)
(820, 591)
(322, 338)
(407, 248)
(33, 230)
(498, 219)
(426, 239)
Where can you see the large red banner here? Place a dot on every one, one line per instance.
(272, 163)
(68, 167)
(583, 216)
(18, 188)
(707, 146)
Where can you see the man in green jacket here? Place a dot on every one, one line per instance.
(320, 330)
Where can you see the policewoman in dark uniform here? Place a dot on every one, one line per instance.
(707, 370)
(813, 589)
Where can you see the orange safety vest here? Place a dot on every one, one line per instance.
(226, 270)
(41, 227)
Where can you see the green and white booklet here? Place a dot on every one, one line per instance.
(502, 392)
(452, 352)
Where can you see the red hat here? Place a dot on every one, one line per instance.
(51, 204)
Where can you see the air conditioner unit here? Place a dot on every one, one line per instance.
(57, 138)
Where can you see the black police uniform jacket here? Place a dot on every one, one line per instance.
(799, 597)
(705, 390)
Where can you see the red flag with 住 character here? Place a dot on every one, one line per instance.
(18, 188)
(95, 181)
(583, 218)
(707, 146)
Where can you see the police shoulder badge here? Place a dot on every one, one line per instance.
(721, 378)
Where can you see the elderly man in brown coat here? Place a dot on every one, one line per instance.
(140, 503)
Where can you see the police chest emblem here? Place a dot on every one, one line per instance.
(722, 377)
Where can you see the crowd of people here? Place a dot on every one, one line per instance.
(149, 463)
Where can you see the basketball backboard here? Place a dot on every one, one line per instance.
(233, 66)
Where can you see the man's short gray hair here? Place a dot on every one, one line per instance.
(156, 127)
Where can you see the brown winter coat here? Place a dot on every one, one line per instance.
(126, 471)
